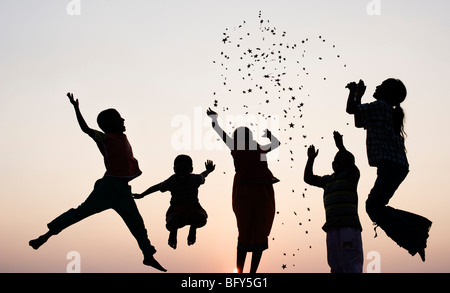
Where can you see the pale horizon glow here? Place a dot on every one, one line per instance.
(153, 62)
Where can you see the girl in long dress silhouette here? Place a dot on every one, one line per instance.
(253, 198)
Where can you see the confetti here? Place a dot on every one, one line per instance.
(265, 73)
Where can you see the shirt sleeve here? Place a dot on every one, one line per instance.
(199, 179)
(99, 136)
(166, 185)
(372, 113)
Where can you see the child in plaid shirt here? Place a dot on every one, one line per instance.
(383, 121)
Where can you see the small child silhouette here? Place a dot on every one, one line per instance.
(340, 198)
(111, 191)
(185, 208)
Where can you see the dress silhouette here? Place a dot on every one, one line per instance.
(253, 197)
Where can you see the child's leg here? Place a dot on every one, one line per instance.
(344, 250)
(256, 258)
(389, 178)
(195, 220)
(173, 223)
(192, 237)
(93, 204)
(240, 260)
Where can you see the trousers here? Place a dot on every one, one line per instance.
(108, 193)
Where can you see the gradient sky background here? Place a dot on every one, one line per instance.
(153, 61)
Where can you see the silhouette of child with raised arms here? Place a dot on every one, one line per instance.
(340, 198)
(111, 191)
(185, 208)
(253, 196)
(383, 121)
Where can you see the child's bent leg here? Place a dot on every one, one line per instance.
(129, 213)
(91, 206)
(195, 220)
(388, 180)
(174, 222)
(192, 237)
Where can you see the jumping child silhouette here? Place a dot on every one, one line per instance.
(340, 198)
(384, 120)
(253, 197)
(111, 191)
(185, 208)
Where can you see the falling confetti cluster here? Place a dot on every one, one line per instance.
(263, 74)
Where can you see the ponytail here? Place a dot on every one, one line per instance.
(399, 119)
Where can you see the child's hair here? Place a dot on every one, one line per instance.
(243, 139)
(345, 159)
(104, 118)
(397, 94)
(182, 164)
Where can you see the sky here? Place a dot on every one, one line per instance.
(161, 64)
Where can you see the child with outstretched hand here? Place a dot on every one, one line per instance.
(112, 191)
(185, 208)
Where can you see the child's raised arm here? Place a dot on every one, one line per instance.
(274, 142)
(357, 90)
(225, 137)
(83, 125)
(309, 176)
(209, 165)
(339, 141)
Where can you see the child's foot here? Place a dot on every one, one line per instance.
(173, 239)
(422, 254)
(36, 243)
(151, 261)
(192, 237)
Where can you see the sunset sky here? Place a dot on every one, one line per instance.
(161, 64)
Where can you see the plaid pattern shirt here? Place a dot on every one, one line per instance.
(383, 144)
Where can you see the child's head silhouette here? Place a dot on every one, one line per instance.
(182, 165)
(343, 161)
(243, 139)
(392, 91)
(110, 121)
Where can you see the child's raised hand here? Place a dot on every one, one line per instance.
(267, 133)
(352, 86)
(312, 153)
(72, 100)
(338, 140)
(209, 165)
(210, 113)
(360, 89)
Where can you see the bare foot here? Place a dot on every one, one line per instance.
(151, 261)
(192, 237)
(36, 243)
(173, 239)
